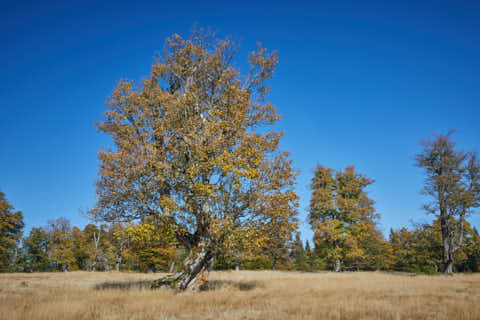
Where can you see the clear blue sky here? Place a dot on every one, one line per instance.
(359, 83)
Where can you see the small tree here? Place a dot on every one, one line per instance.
(453, 184)
(11, 226)
(193, 147)
(298, 253)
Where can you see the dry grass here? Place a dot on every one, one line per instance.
(241, 295)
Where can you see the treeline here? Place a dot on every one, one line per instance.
(149, 246)
(341, 214)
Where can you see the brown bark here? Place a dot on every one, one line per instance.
(193, 276)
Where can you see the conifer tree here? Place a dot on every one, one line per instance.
(298, 253)
(35, 249)
(309, 256)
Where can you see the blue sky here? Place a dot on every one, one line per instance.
(358, 84)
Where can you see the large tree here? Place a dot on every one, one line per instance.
(11, 226)
(453, 184)
(343, 218)
(194, 147)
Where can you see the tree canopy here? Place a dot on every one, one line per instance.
(344, 220)
(194, 148)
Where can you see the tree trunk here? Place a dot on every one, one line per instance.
(117, 264)
(274, 262)
(448, 254)
(172, 267)
(337, 267)
(448, 268)
(193, 277)
(448, 244)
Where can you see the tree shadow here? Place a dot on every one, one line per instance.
(124, 285)
(213, 285)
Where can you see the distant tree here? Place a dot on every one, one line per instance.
(79, 249)
(471, 251)
(60, 244)
(377, 253)
(342, 216)
(154, 244)
(298, 254)
(120, 244)
(453, 184)
(277, 239)
(100, 249)
(35, 250)
(193, 145)
(416, 250)
(309, 257)
(420, 249)
(11, 226)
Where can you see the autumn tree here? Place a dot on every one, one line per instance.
(377, 253)
(419, 249)
(60, 244)
(342, 216)
(11, 226)
(278, 241)
(471, 251)
(193, 146)
(453, 185)
(120, 244)
(153, 243)
(101, 253)
(415, 250)
(274, 243)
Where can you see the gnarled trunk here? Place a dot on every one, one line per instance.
(448, 254)
(193, 276)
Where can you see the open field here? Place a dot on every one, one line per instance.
(241, 295)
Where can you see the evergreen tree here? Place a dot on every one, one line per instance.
(35, 250)
(309, 257)
(298, 254)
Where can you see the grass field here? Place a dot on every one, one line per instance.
(241, 295)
